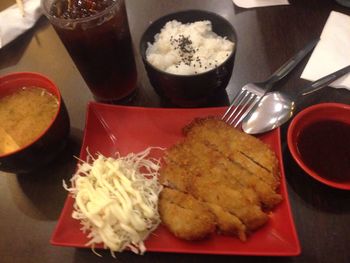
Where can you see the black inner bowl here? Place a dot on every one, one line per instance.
(220, 26)
(190, 90)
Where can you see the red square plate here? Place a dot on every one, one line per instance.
(132, 129)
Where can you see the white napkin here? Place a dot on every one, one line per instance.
(13, 23)
(259, 3)
(332, 51)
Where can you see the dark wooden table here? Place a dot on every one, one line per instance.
(30, 206)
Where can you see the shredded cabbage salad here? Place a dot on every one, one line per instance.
(116, 200)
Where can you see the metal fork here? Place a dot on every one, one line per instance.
(251, 93)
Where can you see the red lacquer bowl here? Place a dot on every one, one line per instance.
(50, 142)
(317, 113)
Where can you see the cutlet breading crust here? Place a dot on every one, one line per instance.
(237, 146)
(186, 217)
(234, 175)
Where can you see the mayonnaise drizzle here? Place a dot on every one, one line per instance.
(116, 202)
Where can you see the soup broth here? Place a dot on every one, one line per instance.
(24, 115)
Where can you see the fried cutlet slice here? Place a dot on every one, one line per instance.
(228, 199)
(184, 216)
(224, 170)
(199, 180)
(239, 147)
(232, 173)
(172, 175)
(227, 223)
(235, 174)
(202, 161)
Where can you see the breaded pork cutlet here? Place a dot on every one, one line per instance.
(244, 149)
(206, 181)
(227, 223)
(206, 161)
(231, 200)
(186, 217)
(236, 181)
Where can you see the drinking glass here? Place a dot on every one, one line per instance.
(100, 46)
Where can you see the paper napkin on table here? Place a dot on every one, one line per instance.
(332, 51)
(259, 3)
(13, 22)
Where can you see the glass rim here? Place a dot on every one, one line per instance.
(75, 20)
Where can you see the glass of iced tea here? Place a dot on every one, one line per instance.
(97, 37)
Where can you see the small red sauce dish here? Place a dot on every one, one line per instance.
(319, 141)
(49, 141)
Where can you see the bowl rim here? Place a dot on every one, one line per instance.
(35, 75)
(292, 142)
(143, 54)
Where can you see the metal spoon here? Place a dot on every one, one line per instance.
(276, 108)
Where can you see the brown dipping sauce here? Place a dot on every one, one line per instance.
(325, 147)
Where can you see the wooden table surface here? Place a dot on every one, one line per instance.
(267, 37)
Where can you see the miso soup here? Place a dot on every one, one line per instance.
(24, 115)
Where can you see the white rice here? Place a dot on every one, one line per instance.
(186, 49)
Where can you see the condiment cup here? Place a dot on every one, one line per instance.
(312, 115)
(190, 90)
(50, 142)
